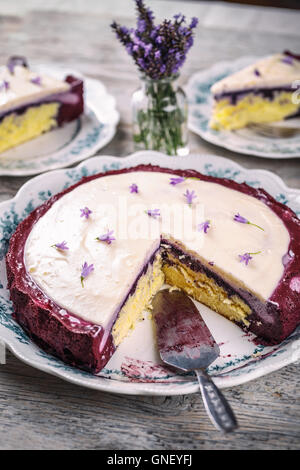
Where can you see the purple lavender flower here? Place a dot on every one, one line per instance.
(85, 271)
(287, 60)
(14, 61)
(106, 237)
(204, 226)
(4, 85)
(257, 72)
(158, 50)
(153, 213)
(61, 246)
(189, 195)
(36, 81)
(239, 218)
(177, 180)
(246, 257)
(85, 212)
(134, 188)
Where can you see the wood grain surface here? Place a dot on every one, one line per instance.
(39, 411)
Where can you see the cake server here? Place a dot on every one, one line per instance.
(185, 342)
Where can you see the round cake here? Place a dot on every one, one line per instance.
(84, 265)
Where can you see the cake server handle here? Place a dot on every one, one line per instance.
(216, 405)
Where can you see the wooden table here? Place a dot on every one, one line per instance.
(39, 411)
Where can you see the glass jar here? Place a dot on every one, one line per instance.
(160, 112)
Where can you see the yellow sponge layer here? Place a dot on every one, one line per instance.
(148, 285)
(206, 291)
(252, 109)
(18, 128)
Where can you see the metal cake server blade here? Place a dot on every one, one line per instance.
(185, 342)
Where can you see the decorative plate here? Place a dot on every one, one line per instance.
(71, 143)
(245, 140)
(135, 367)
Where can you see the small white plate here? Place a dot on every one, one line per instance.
(135, 367)
(74, 141)
(244, 140)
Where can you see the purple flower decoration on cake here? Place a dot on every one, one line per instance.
(106, 237)
(85, 212)
(86, 271)
(177, 180)
(204, 226)
(36, 81)
(153, 213)
(246, 257)
(158, 50)
(61, 246)
(190, 196)
(134, 188)
(287, 60)
(257, 72)
(4, 86)
(242, 220)
(14, 61)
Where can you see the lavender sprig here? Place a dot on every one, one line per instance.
(157, 50)
(246, 257)
(242, 220)
(106, 237)
(61, 246)
(85, 271)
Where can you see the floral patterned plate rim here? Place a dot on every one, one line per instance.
(135, 367)
(246, 141)
(74, 141)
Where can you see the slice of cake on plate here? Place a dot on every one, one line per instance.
(263, 92)
(84, 265)
(31, 103)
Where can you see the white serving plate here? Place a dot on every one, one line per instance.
(135, 367)
(247, 140)
(74, 141)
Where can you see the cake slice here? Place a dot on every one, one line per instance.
(265, 91)
(31, 103)
(84, 265)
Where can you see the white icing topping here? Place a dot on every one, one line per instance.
(117, 265)
(269, 72)
(21, 90)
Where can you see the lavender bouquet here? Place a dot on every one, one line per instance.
(160, 108)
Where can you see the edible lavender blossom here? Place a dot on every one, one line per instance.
(85, 271)
(61, 246)
(177, 180)
(153, 213)
(36, 81)
(204, 226)
(4, 86)
(106, 237)
(190, 195)
(246, 257)
(85, 212)
(134, 188)
(158, 50)
(239, 218)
